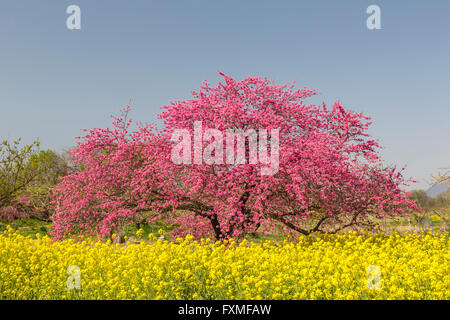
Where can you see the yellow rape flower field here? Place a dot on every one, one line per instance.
(344, 266)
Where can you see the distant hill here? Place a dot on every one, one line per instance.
(438, 188)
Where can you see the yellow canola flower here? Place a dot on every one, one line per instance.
(323, 266)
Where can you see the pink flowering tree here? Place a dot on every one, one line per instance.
(296, 168)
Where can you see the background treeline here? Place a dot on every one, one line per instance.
(27, 177)
(427, 203)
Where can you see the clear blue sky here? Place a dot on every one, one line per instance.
(55, 81)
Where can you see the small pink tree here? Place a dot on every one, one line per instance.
(329, 175)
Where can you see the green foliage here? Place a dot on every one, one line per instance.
(51, 168)
(18, 168)
(27, 177)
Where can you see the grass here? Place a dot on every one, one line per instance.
(27, 227)
(31, 227)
